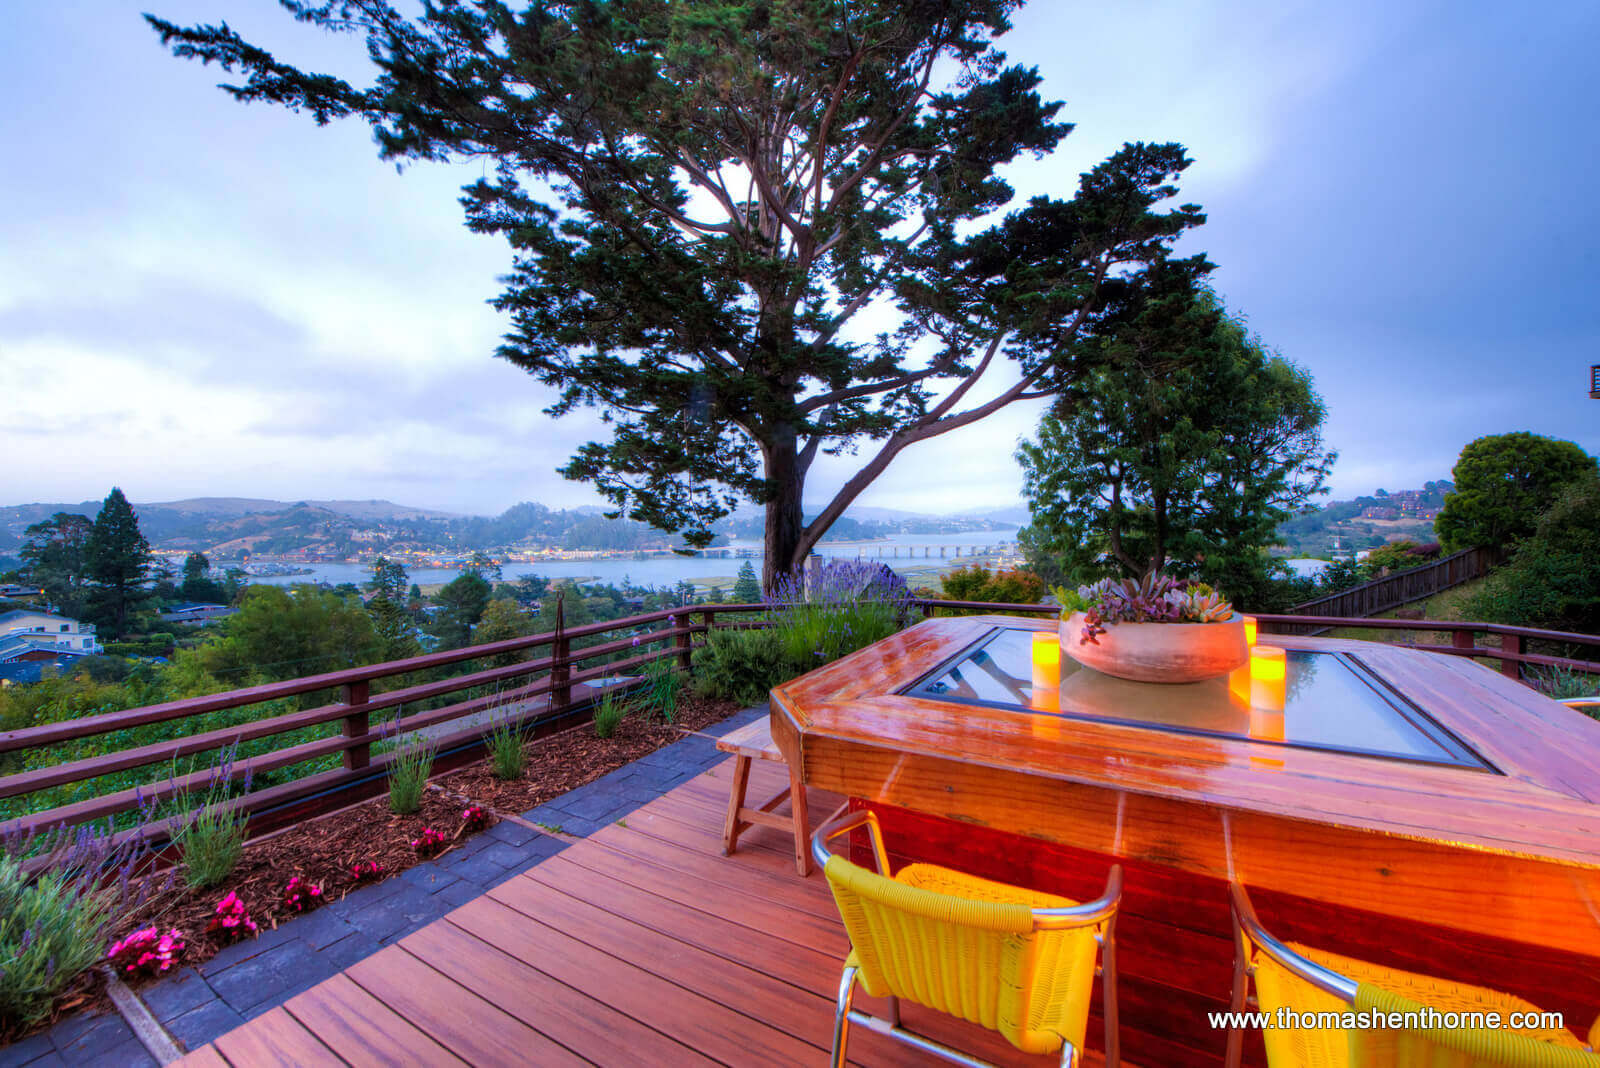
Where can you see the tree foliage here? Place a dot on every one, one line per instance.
(1502, 484)
(199, 585)
(289, 633)
(117, 562)
(700, 199)
(461, 602)
(746, 589)
(1553, 579)
(54, 558)
(1182, 450)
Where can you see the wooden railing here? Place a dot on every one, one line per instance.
(1397, 590)
(547, 703)
(1511, 649)
(552, 702)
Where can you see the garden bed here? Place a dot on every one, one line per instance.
(323, 852)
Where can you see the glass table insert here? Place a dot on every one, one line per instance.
(1326, 700)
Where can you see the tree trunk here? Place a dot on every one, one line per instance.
(784, 518)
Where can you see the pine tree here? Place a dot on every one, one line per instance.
(746, 590)
(118, 565)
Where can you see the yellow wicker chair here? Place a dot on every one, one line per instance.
(1296, 978)
(1012, 960)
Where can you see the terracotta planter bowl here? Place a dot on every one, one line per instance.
(1159, 652)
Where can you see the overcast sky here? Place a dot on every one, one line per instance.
(199, 298)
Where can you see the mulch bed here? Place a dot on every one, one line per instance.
(322, 851)
(568, 760)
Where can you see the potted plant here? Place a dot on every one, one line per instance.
(1158, 629)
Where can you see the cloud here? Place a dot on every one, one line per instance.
(200, 297)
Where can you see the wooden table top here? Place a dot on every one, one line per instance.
(1544, 802)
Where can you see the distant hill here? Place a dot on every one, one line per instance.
(229, 527)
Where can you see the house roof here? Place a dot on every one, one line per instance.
(15, 612)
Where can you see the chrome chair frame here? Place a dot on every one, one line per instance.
(1247, 929)
(1102, 909)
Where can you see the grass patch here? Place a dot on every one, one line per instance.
(609, 713)
(409, 769)
(504, 743)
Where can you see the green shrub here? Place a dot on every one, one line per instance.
(209, 833)
(54, 920)
(51, 929)
(661, 686)
(741, 665)
(209, 839)
(504, 741)
(409, 766)
(1561, 683)
(1553, 580)
(1001, 586)
(609, 713)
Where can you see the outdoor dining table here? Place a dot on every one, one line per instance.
(1399, 806)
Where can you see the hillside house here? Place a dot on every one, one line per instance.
(46, 632)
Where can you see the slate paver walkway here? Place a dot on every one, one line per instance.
(249, 978)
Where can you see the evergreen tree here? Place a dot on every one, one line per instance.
(389, 579)
(701, 199)
(1183, 451)
(1503, 483)
(461, 602)
(117, 559)
(746, 590)
(54, 558)
(198, 585)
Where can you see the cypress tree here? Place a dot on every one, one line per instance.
(118, 565)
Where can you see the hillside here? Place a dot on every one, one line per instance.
(227, 528)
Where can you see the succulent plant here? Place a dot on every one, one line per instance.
(1155, 598)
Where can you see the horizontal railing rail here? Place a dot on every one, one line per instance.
(564, 690)
(1401, 588)
(1511, 651)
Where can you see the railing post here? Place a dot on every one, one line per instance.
(1464, 639)
(1511, 643)
(560, 669)
(355, 726)
(682, 641)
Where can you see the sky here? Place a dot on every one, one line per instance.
(204, 298)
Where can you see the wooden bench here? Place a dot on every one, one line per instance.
(754, 742)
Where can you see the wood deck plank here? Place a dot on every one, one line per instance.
(570, 1017)
(739, 970)
(361, 1029)
(694, 1019)
(640, 944)
(204, 1057)
(462, 1021)
(276, 1038)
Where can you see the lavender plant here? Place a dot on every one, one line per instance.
(841, 606)
(1155, 598)
(62, 894)
(209, 834)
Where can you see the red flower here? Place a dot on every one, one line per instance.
(300, 895)
(429, 842)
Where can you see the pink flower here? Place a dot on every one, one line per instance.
(429, 842)
(362, 870)
(146, 951)
(475, 817)
(231, 919)
(300, 895)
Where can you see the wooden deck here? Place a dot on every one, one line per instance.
(639, 945)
